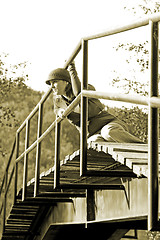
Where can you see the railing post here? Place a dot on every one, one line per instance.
(57, 156)
(38, 153)
(84, 111)
(153, 132)
(25, 172)
(16, 167)
(5, 202)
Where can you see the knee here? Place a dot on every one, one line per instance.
(95, 138)
(108, 131)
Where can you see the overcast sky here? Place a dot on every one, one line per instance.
(45, 32)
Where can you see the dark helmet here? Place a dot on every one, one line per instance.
(58, 74)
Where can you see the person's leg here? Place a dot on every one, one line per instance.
(95, 138)
(115, 132)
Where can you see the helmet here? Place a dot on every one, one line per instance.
(58, 74)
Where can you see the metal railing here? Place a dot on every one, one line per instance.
(153, 101)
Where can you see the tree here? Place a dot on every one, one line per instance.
(139, 7)
(135, 79)
(12, 78)
(136, 54)
(17, 101)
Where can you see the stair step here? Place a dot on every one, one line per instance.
(62, 194)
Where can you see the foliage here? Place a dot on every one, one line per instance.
(17, 101)
(12, 79)
(136, 119)
(137, 54)
(138, 50)
(142, 7)
(153, 235)
(131, 81)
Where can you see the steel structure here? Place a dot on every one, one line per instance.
(153, 102)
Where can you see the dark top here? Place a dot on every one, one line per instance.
(97, 115)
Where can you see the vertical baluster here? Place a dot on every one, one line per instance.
(57, 156)
(153, 135)
(25, 172)
(38, 152)
(84, 111)
(16, 167)
(5, 201)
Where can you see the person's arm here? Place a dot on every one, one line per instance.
(76, 84)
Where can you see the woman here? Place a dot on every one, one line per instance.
(102, 126)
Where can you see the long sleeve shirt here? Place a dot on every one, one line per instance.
(97, 115)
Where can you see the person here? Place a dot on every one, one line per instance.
(102, 126)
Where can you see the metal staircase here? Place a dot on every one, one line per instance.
(109, 158)
(98, 166)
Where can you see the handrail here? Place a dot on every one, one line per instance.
(50, 128)
(34, 111)
(73, 55)
(153, 101)
(7, 188)
(116, 97)
(134, 24)
(6, 185)
(8, 164)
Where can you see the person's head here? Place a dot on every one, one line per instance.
(60, 81)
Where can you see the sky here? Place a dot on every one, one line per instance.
(45, 33)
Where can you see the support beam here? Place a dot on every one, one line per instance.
(110, 173)
(119, 234)
(84, 111)
(92, 186)
(153, 134)
(90, 204)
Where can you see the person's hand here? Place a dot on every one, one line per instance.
(61, 113)
(71, 65)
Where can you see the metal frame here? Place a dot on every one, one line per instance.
(153, 102)
(57, 156)
(153, 134)
(84, 111)
(38, 151)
